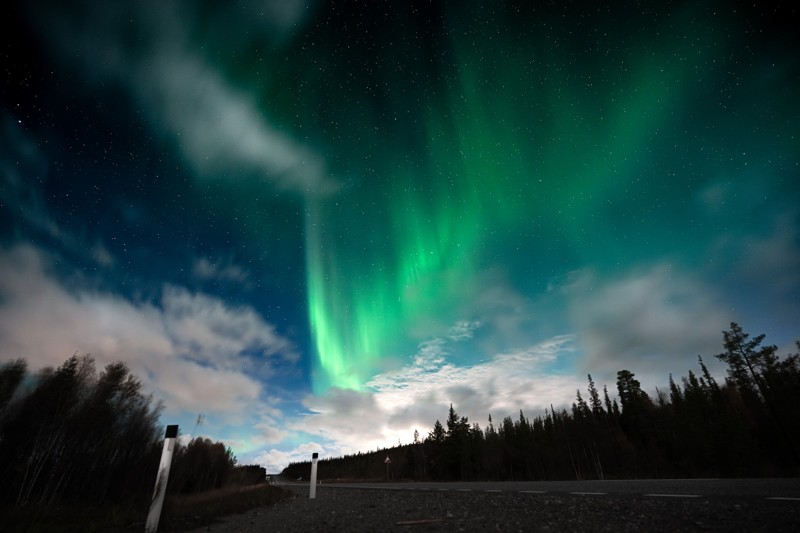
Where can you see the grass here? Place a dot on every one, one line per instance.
(180, 513)
(196, 510)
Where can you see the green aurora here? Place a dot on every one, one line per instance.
(321, 222)
(558, 139)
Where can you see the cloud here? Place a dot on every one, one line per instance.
(248, 431)
(463, 330)
(101, 255)
(506, 317)
(219, 129)
(206, 329)
(396, 403)
(773, 261)
(714, 196)
(192, 351)
(763, 270)
(22, 167)
(652, 323)
(226, 271)
(276, 460)
(268, 432)
(23, 170)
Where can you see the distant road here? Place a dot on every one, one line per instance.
(773, 489)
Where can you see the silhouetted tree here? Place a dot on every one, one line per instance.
(11, 375)
(696, 427)
(764, 380)
(594, 399)
(74, 436)
(200, 466)
(435, 450)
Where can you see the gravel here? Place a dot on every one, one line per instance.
(346, 510)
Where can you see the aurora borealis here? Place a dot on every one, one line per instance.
(523, 141)
(322, 222)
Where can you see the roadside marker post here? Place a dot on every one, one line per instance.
(161, 480)
(312, 488)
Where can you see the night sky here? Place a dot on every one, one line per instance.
(320, 223)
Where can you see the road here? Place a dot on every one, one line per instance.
(628, 506)
(787, 489)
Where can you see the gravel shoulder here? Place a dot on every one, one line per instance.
(346, 510)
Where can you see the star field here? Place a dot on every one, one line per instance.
(320, 222)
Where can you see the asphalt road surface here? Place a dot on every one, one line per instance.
(787, 489)
(653, 506)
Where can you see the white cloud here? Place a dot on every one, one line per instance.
(463, 330)
(652, 323)
(206, 329)
(46, 322)
(276, 460)
(220, 129)
(396, 403)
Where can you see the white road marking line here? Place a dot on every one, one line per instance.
(533, 491)
(673, 495)
(492, 490)
(589, 493)
(784, 498)
(464, 490)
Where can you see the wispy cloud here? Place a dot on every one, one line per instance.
(206, 329)
(24, 168)
(221, 130)
(220, 270)
(394, 404)
(463, 330)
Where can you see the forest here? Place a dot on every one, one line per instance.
(747, 426)
(73, 439)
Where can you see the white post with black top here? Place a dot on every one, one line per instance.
(161, 480)
(312, 488)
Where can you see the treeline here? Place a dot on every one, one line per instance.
(70, 437)
(696, 427)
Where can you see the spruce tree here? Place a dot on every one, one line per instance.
(594, 399)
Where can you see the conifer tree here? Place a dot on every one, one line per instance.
(594, 399)
(747, 360)
(580, 410)
(756, 369)
(435, 447)
(607, 400)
